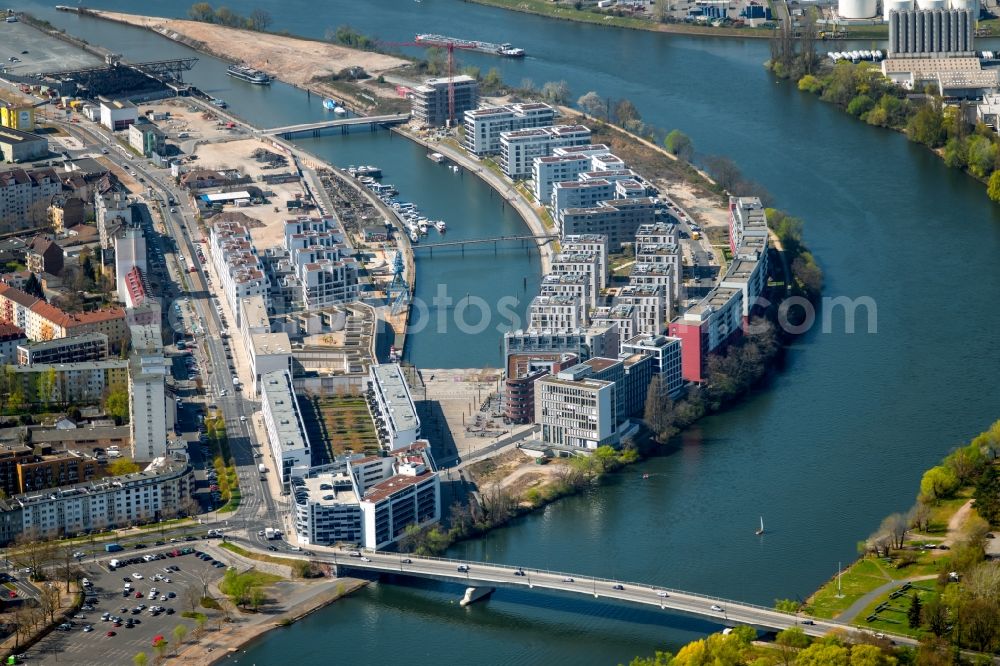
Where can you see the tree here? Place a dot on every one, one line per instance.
(967, 462)
(993, 189)
(257, 598)
(117, 405)
(592, 105)
(659, 409)
(724, 171)
(860, 105)
(787, 605)
(626, 113)
(870, 655)
(492, 82)
(160, 648)
(180, 631)
(982, 154)
(927, 126)
(658, 659)
(260, 20)
(201, 11)
(987, 493)
(33, 286)
(919, 515)
(913, 614)
(140, 659)
(981, 624)
(122, 466)
(790, 641)
(938, 483)
(823, 654)
(678, 143)
(556, 92)
(48, 601)
(895, 527)
(934, 614)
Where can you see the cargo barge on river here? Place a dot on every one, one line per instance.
(505, 50)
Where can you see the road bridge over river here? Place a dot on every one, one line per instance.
(489, 575)
(315, 129)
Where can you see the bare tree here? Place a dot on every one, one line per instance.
(919, 515)
(49, 601)
(192, 597)
(895, 527)
(260, 20)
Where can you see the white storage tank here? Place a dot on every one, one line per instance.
(965, 4)
(932, 4)
(895, 5)
(857, 9)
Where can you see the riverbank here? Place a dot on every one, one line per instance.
(862, 91)
(307, 64)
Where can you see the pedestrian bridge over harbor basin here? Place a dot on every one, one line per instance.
(315, 129)
(481, 577)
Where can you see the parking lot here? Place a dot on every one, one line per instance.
(125, 614)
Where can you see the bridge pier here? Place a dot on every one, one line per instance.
(474, 594)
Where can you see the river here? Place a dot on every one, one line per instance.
(836, 441)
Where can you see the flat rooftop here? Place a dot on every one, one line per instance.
(396, 393)
(277, 391)
(329, 489)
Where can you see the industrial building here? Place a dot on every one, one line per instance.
(117, 115)
(431, 104)
(932, 33)
(21, 117)
(18, 146)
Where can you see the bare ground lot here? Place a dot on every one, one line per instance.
(295, 60)
(44, 53)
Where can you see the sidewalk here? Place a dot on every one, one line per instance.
(858, 606)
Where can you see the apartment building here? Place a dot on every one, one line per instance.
(52, 470)
(656, 259)
(592, 243)
(556, 312)
(430, 101)
(152, 411)
(75, 349)
(581, 194)
(11, 339)
(237, 264)
(577, 285)
(484, 126)
(113, 214)
(392, 407)
(130, 253)
(159, 492)
(25, 195)
(367, 500)
(663, 275)
(286, 431)
(650, 304)
(706, 326)
(618, 219)
(622, 315)
(588, 263)
(81, 383)
(47, 322)
(584, 343)
(522, 371)
(519, 148)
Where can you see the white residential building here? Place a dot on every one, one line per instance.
(286, 431)
(651, 306)
(623, 315)
(25, 195)
(370, 500)
(130, 252)
(556, 312)
(431, 105)
(662, 275)
(113, 214)
(484, 126)
(237, 264)
(392, 407)
(161, 491)
(618, 219)
(151, 411)
(519, 148)
(578, 285)
(579, 262)
(594, 243)
(325, 272)
(551, 169)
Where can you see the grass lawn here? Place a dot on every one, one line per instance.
(860, 578)
(891, 612)
(942, 512)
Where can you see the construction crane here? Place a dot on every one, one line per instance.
(450, 46)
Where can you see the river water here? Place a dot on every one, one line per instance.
(837, 440)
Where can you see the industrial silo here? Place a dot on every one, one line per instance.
(932, 4)
(857, 9)
(965, 4)
(895, 6)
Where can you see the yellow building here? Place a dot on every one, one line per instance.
(18, 117)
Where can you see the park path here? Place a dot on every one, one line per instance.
(956, 522)
(861, 604)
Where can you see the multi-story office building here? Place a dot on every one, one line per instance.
(518, 149)
(159, 492)
(286, 431)
(618, 219)
(431, 105)
(152, 412)
(25, 195)
(522, 371)
(665, 353)
(367, 500)
(575, 411)
(484, 126)
(392, 407)
(76, 349)
(147, 138)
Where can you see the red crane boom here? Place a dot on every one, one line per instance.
(450, 46)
